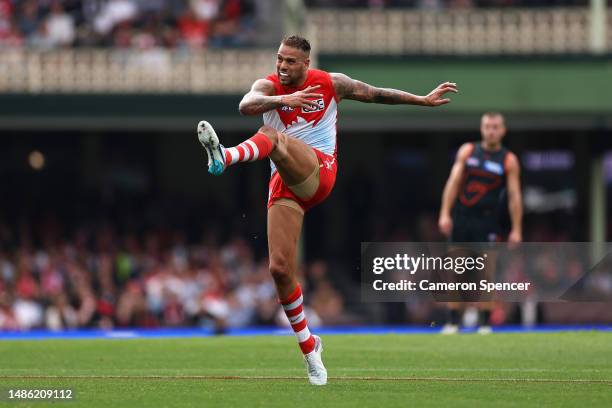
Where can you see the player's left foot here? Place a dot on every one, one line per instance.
(317, 374)
(449, 328)
(214, 149)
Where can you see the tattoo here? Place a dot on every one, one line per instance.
(348, 88)
(260, 104)
(260, 99)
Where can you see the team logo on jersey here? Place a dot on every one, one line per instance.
(328, 163)
(310, 109)
(472, 161)
(286, 108)
(493, 167)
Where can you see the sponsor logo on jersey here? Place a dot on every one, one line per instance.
(472, 161)
(493, 167)
(310, 109)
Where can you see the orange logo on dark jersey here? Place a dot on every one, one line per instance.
(474, 190)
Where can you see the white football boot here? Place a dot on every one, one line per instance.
(317, 374)
(214, 149)
(449, 328)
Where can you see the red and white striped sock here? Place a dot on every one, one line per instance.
(257, 147)
(295, 313)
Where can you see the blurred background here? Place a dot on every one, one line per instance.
(108, 217)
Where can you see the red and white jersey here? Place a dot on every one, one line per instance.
(314, 126)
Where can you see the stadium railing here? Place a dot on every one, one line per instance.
(131, 71)
(455, 32)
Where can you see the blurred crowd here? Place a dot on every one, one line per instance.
(188, 24)
(127, 23)
(100, 279)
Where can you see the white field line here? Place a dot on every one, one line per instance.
(300, 378)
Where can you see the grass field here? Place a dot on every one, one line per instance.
(506, 370)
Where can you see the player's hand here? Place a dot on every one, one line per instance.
(515, 237)
(303, 98)
(445, 223)
(436, 97)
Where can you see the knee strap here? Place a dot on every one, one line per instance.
(307, 188)
(287, 202)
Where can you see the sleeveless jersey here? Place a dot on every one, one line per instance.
(484, 180)
(314, 126)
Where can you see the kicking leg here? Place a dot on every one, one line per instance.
(257, 147)
(296, 162)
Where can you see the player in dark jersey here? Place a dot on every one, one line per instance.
(474, 198)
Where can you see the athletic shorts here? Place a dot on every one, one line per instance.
(328, 167)
(472, 228)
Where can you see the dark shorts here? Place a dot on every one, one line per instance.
(473, 228)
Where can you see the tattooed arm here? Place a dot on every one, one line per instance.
(348, 88)
(261, 98)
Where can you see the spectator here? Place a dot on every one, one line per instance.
(227, 25)
(205, 10)
(114, 13)
(60, 26)
(6, 16)
(194, 31)
(60, 315)
(29, 18)
(10, 36)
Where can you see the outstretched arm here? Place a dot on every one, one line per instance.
(348, 88)
(261, 98)
(451, 190)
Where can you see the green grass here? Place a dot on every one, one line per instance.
(561, 370)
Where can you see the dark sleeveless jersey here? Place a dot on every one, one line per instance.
(484, 182)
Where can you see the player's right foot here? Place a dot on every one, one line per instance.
(317, 374)
(214, 149)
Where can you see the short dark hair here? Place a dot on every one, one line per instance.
(494, 114)
(295, 41)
